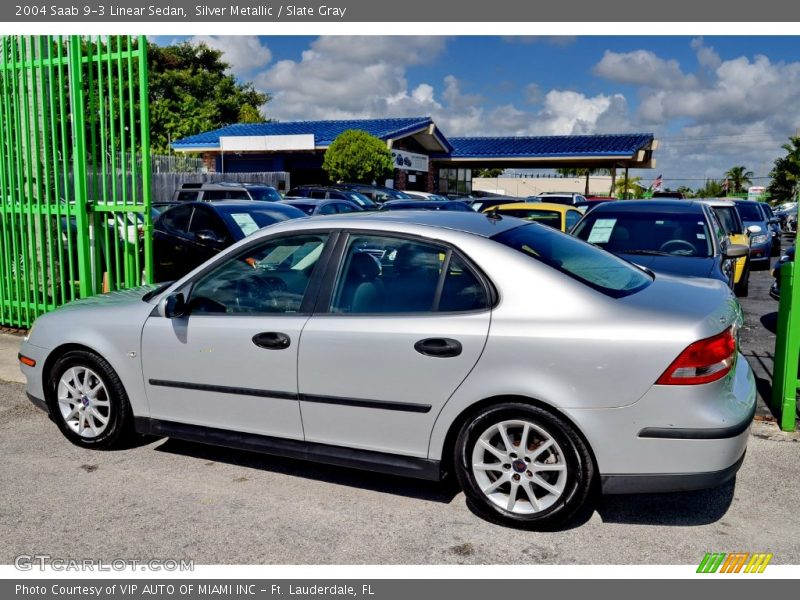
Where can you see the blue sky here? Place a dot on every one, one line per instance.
(714, 101)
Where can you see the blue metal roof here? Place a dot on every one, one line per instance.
(549, 146)
(324, 131)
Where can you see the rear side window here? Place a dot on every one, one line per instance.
(187, 196)
(176, 219)
(588, 264)
(729, 219)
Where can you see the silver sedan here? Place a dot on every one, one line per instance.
(532, 365)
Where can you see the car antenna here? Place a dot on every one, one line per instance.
(493, 214)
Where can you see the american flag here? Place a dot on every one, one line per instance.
(657, 183)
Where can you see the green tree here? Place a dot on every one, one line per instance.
(358, 157)
(686, 191)
(711, 189)
(786, 172)
(587, 173)
(739, 177)
(491, 173)
(632, 190)
(192, 90)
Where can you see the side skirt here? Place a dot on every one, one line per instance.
(367, 460)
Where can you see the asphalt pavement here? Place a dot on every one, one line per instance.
(173, 499)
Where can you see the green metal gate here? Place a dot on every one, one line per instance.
(75, 170)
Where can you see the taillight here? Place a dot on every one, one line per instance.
(703, 361)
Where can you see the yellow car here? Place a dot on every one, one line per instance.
(559, 216)
(731, 222)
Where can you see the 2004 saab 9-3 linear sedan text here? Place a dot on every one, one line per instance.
(532, 364)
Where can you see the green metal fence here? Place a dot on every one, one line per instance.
(74, 170)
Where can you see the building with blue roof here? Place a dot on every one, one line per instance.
(424, 158)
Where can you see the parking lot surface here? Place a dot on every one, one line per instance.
(172, 499)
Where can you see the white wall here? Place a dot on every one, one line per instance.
(531, 186)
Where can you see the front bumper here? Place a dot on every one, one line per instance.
(674, 438)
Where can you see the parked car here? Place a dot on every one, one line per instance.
(377, 193)
(558, 216)
(678, 237)
(481, 204)
(728, 216)
(449, 205)
(774, 227)
(398, 370)
(785, 212)
(760, 235)
(226, 190)
(561, 197)
(328, 193)
(187, 235)
(775, 288)
(310, 206)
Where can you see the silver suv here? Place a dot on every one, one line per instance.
(206, 192)
(530, 364)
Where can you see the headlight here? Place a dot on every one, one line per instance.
(759, 239)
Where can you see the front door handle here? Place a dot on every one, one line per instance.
(438, 347)
(272, 340)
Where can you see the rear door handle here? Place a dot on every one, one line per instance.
(272, 340)
(438, 347)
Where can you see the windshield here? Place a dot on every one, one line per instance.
(749, 211)
(729, 219)
(360, 199)
(647, 232)
(265, 193)
(550, 218)
(591, 266)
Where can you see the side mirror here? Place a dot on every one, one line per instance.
(737, 250)
(208, 236)
(754, 229)
(172, 306)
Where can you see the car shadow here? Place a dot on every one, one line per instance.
(699, 507)
(432, 491)
(770, 322)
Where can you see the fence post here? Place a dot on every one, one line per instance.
(147, 169)
(79, 162)
(787, 350)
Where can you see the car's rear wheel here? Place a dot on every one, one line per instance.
(522, 466)
(88, 402)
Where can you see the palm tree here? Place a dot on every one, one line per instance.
(739, 177)
(633, 189)
(572, 172)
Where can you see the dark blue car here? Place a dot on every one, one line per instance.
(677, 237)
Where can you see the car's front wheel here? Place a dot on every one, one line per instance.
(522, 466)
(88, 402)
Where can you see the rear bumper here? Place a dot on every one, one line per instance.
(673, 482)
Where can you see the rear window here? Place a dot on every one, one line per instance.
(588, 264)
(556, 199)
(264, 193)
(749, 212)
(545, 217)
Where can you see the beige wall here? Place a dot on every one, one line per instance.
(531, 186)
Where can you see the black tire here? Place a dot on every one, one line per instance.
(580, 469)
(742, 289)
(119, 432)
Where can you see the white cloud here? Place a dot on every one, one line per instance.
(244, 53)
(643, 67)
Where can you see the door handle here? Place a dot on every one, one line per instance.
(438, 347)
(272, 340)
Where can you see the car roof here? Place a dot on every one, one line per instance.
(673, 206)
(718, 202)
(562, 208)
(467, 222)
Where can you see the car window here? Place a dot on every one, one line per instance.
(319, 194)
(215, 195)
(343, 207)
(572, 217)
(551, 218)
(327, 209)
(556, 199)
(271, 278)
(588, 264)
(385, 274)
(204, 219)
(749, 211)
(729, 219)
(648, 231)
(187, 196)
(264, 193)
(176, 219)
